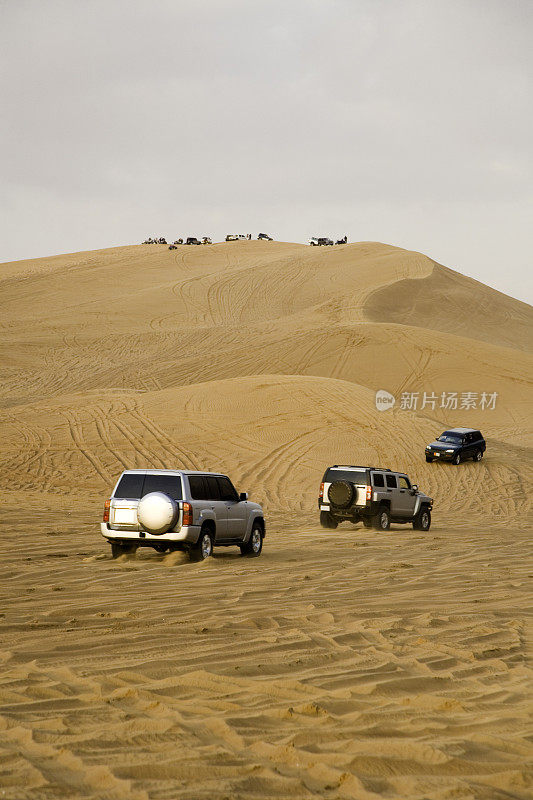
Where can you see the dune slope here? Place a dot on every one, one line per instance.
(341, 664)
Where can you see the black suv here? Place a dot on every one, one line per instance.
(456, 445)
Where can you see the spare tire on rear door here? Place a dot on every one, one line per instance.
(341, 494)
(157, 512)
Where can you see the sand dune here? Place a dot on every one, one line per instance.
(342, 664)
(449, 302)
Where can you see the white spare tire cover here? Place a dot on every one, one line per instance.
(157, 512)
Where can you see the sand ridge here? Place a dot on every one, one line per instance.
(341, 664)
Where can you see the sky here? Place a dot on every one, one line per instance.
(398, 121)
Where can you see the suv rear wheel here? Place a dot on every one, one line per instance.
(327, 520)
(478, 455)
(422, 521)
(456, 459)
(203, 547)
(381, 520)
(118, 549)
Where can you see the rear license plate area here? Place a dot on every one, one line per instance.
(125, 516)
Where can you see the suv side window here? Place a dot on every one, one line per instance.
(403, 482)
(213, 492)
(227, 490)
(391, 481)
(198, 487)
(377, 479)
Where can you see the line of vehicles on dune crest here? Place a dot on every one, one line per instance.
(314, 241)
(197, 510)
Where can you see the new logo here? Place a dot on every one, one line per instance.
(384, 400)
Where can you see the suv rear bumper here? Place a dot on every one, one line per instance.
(354, 512)
(187, 533)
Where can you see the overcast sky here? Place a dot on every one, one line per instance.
(401, 121)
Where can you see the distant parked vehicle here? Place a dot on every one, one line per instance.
(172, 247)
(316, 241)
(344, 240)
(235, 237)
(206, 240)
(192, 240)
(456, 445)
(265, 236)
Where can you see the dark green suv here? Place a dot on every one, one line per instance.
(456, 445)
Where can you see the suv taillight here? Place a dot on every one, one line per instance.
(368, 492)
(321, 492)
(187, 514)
(107, 506)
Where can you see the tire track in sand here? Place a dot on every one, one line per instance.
(164, 440)
(75, 427)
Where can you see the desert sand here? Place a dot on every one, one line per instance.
(340, 664)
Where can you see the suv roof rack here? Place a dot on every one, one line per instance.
(353, 466)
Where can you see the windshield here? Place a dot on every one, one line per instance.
(452, 438)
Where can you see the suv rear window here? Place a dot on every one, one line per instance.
(378, 479)
(169, 484)
(351, 475)
(391, 481)
(130, 486)
(134, 485)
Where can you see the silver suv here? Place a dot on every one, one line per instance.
(376, 497)
(180, 510)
